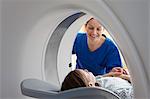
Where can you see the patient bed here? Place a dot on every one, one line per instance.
(42, 90)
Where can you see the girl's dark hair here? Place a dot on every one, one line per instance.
(74, 80)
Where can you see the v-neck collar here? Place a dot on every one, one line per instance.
(87, 47)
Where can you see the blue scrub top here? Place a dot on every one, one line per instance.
(100, 61)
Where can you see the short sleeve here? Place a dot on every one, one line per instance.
(113, 59)
(74, 46)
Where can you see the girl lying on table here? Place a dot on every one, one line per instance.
(117, 80)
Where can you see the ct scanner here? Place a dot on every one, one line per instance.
(37, 38)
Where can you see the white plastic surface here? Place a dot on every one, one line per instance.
(26, 26)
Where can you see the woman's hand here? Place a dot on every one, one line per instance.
(115, 74)
(126, 77)
(118, 70)
(112, 74)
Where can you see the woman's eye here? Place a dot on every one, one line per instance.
(91, 28)
(98, 29)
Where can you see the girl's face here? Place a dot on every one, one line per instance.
(94, 29)
(89, 76)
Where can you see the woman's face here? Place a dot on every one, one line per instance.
(94, 29)
(89, 76)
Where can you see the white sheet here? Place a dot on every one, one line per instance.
(118, 85)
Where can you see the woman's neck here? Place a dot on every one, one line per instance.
(93, 45)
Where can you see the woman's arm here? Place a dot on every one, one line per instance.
(112, 74)
(126, 77)
(117, 74)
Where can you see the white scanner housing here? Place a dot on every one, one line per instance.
(37, 39)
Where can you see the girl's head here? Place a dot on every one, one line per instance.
(93, 28)
(78, 78)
